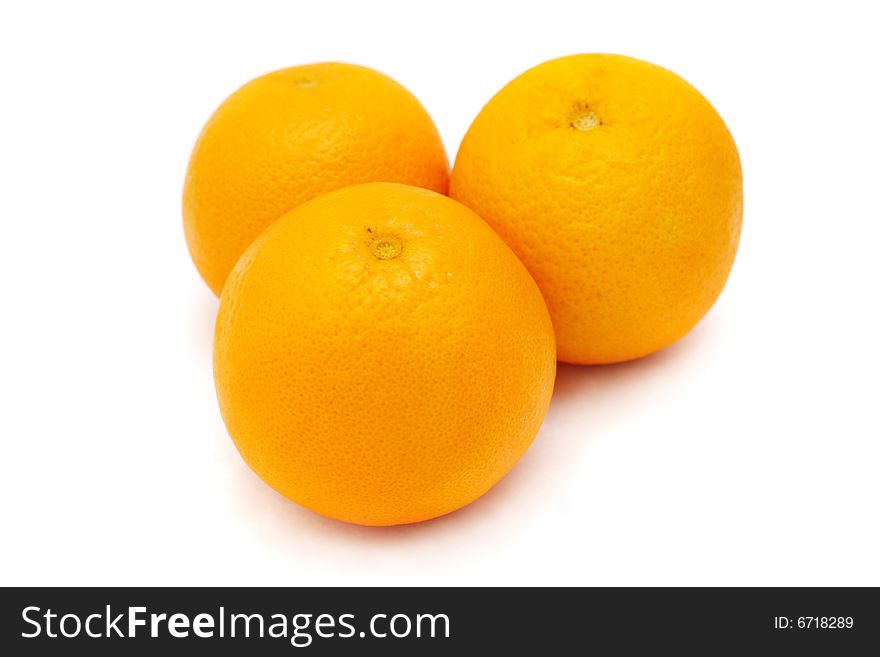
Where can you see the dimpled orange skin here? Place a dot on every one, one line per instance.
(381, 356)
(620, 189)
(291, 135)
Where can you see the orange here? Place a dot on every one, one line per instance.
(619, 187)
(381, 356)
(291, 135)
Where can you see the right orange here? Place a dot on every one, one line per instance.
(619, 187)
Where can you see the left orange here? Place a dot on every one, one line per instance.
(294, 134)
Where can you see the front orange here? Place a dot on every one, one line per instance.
(381, 356)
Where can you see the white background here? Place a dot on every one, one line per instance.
(748, 453)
